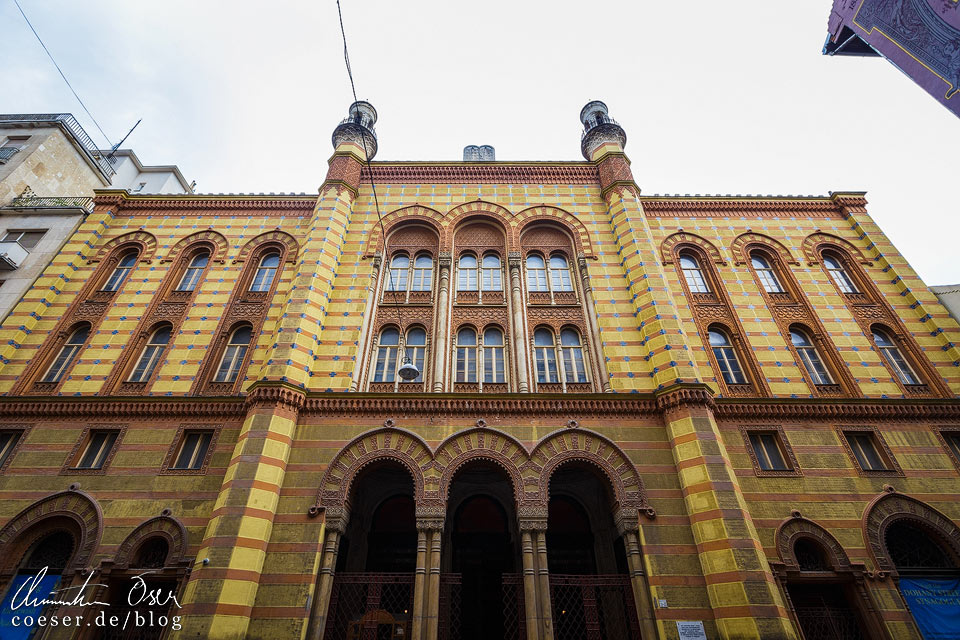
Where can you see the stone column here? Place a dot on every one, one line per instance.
(536, 578)
(335, 522)
(543, 582)
(594, 327)
(440, 331)
(426, 588)
(744, 596)
(627, 526)
(530, 604)
(432, 618)
(519, 330)
(369, 312)
(419, 585)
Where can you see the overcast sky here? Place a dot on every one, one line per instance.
(716, 97)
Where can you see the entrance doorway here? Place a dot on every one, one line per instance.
(483, 551)
(824, 612)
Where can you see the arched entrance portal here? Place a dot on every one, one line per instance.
(373, 587)
(481, 557)
(590, 589)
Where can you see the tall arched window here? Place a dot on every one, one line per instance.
(150, 356)
(466, 356)
(416, 349)
(191, 276)
(893, 357)
(545, 356)
(68, 352)
(766, 273)
(397, 277)
(121, 271)
(560, 273)
(494, 366)
(574, 366)
(388, 346)
(692, 274)
(467, 273)
(422, 273)
(266, 272)
(536, 273)
(834, 266)
(492, 279)
(234, 354)
(810, 357)
(726, 357)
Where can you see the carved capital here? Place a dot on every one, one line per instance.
(291, 399)
(532, 517)
(693, 395)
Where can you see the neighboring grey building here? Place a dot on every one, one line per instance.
(949, 297)
(49, 169)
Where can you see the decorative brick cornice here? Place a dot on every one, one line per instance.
(301, 205)
(828, 409)
(496, 173)
(696, 395)
(139, 408)
(709, 206)
(272, 394)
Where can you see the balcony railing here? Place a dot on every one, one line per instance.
(6, 153)
(53, 202)
(68, 121)
(593, 124)
(360, 123)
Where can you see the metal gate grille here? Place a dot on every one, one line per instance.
(593, 608)
(450, 619)
(514, 613)
(370, 606)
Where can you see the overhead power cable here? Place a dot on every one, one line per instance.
(366, 154)
(50, 55)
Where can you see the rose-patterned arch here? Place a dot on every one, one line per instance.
(42, 517)
(162, 526)
(481, 443)
(890, 507)
(276, 237)
(210, 237)
(418, 213)
(579, 445)
(573, 226)
(144, 240)
(742, 243)
(796, 528)
(815, 241)
(385, 444)
(669, 244)
(476, 211)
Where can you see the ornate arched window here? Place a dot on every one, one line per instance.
(809, 356)
(466, 350)
(415, 346)
(422, 273)
(838, 273)
(766, 273)
(571, 352)
(121, 271)
(492, 276)
(494, 363)
(810, 555)
(191, 275)
(545, 356)
(536, 273)
(266, 272)
(692, 273)
(150, 356)
(890, 351)
(726, 357)
(397, 275)
(234, 355)
(388, 346)
(69, 351)
(560, 273)
(467, 273)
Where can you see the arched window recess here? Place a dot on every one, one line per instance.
(819, 371)
(730, 359)
(408, 279)
(392, 352)
(561, 363)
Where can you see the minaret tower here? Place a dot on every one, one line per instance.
(739, 583)
(357, 129)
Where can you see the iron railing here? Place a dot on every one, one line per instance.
(359, 123)
(71, 124)
(450, 621)
(593, 124)
(7, 152)
(368, 606)
(52, 202)
(593, 608)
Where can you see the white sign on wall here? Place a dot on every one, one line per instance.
(691, 630)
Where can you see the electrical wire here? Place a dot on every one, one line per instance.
(373, 187)
(50, 55)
